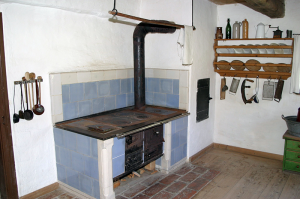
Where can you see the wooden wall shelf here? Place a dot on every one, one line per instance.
(254, 74)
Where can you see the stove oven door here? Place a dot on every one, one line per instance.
(153, 143)
(133, 151)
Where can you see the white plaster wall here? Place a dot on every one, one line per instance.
(161, 49)
(205, 20)
(57, 36)
(255, 126)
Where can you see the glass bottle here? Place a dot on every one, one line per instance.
(298, 116)
(228, 29)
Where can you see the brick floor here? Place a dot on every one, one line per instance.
(210, 174)
(154, 189)
(141, 196)
(200, 170)
(198, 184)
(134, 190)
(120, 197)
(176, 187)
(162, 195)
(169, 179)
(184, 170)
(189, 177)
(185, 194)
(152, 180)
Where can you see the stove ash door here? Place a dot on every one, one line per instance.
(153, 144)
(134, 151)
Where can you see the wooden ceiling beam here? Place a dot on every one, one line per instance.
(271, 8)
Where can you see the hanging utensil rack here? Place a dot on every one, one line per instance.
(27, 81)
(178, 26)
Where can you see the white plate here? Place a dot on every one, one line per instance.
(247, 51)
(222, 50)
(238, 50)
(285, 50)
(270, 51)
(231, 50)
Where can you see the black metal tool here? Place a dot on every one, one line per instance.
(249, 101)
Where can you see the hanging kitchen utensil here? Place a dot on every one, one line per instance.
(28, 114)
(38, 109)
(268, 90)
(27, 77)
(255, 97)
(40, 88)
(279, 88)
(16, 117)
(223, 88)
(234, 86)
(32, 77)
(21, 112)
(243, 87)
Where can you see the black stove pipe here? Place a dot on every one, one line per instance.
(139, 34)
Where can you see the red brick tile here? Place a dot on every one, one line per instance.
(152, 180)
(134, 190)
(141, 196)
(184, 170)
(176, 187)
(65, 196)
(53, 194)
(200, 170)
(163, 195)
(189, 177)
(169, 179)
(151, 191)
(185, 194)
(198, 184)
(210, 174)
(120, 197)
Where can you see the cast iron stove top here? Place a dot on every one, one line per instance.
(120, 122)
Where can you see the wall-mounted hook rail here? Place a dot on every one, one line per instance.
(27, 81)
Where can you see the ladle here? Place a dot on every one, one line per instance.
(38, 109)
(28, 114)
(16, 117)
(40, 88)
(21, 112)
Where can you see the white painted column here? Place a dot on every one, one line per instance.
(105, 168)
(166, 159)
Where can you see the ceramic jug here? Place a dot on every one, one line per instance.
(236, 30)
(260, 31)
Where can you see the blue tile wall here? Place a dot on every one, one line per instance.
(179, 140)
(83, 99)
(77, 161)
(118, 156)
(162, 92)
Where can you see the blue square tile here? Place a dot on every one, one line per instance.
(118, 165)
(121, 101)
(160, 99)
(86, 184)
(98, 105)
(129, 85)
(70, 140)
(153, 85)
(124, 85)
(76, 92)
(77, 161)
(158, 162)
(94, 147)
(70, 110)
(130, 99)
(72, 178)
(85, 108)
(173, 127)
(83, 144)
(182, 136)
(57, 154)
(176, 86)
(61, 173)
(103, 88)
(118, 147)
(65, 157)
(149, 98)
(179, 154)
(58, 137)
(173, 157)
(180, 124)
(96, 189)
(146, 84)
(132, 84)
(109, 103)
(172, 101)
(175, 141)
(166, 86)
(184, 150)
(90, 90)
(65, 89)
(114, 87)
(91, 168)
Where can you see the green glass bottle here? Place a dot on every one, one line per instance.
(228, 29)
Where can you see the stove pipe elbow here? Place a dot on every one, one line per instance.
(139, 34)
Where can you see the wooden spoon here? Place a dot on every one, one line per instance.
(40, 88)
(32, 77)
(27, 77)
